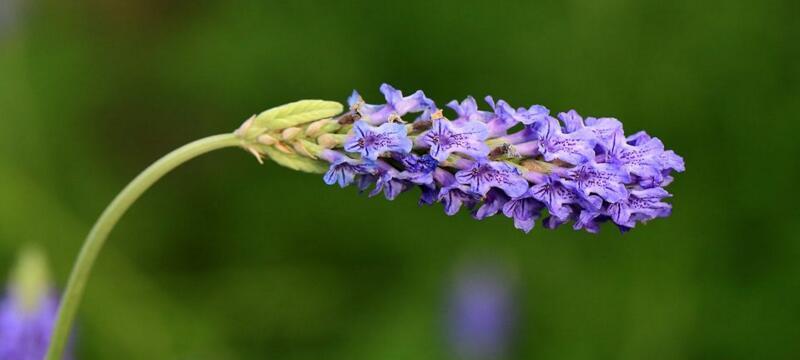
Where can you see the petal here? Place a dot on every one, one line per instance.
(572, 121)
(483, 176)
(604, 129)
(535, 114)
(495, 199)
(354, 99)
(445, 138)
(605, 180)
(524, 211)
(575, 148)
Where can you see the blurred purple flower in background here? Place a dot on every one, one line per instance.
(27, 310)
(9, 14)
(480, 314)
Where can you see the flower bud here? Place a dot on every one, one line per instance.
(267, 139)
(330, 141)
(290, 133)
(320, 127)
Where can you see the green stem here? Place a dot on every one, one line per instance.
(97, 236)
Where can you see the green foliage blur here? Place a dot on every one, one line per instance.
(227, 259)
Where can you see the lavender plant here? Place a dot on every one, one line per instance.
(481, 310)
(27, 310)
(521, 162)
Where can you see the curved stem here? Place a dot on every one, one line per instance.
(97, 236)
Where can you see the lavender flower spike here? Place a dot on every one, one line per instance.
(582, 170)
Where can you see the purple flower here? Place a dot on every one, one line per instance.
(525, 210)
(396, 105)
(638, 138)
(467, 111)
(28, 310)
(480, 313)
(445, 138)
(641, 205)
(492, 204)
(418, 169)
(575, 147)
(25, 333)
(603, 129)
(429, 194)
(343, 169)
(505, 117)
(669, 160)
(452, 194)
(373, 141)
(606, 180)
(643, 160)
(483, 176)
(556, 197)
(388, 181)
(589, 220)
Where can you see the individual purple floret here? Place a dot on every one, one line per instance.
(445, 138)
(483, 176)
(343, 169)
(521, 162)
(372, 141)
(396, 105)
(575, 148)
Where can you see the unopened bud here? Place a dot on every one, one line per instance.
(283, 148)
(290, 133)
(320, 127)
(328, 141)
(267, 139)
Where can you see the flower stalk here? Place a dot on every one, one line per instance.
(97, 236)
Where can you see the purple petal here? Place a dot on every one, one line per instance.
(445, 138)
(467, 110)
(524, 210)
(343, 169)
(641, 205)
(418, 169)
(429, 193)
(641, 160)
(639, 138)
(604, 129)
(575, 148)
(453, 197)
(388, 181)
(556, 196)
(493, 203)
(606, 180)
(669, 160)
(572, 121)
(371, 141)
(589, 220)
(483, 176)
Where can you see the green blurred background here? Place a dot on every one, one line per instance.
(226, 259)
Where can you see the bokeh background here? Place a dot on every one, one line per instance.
(226, 259)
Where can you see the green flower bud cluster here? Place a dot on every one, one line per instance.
(293, 135)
